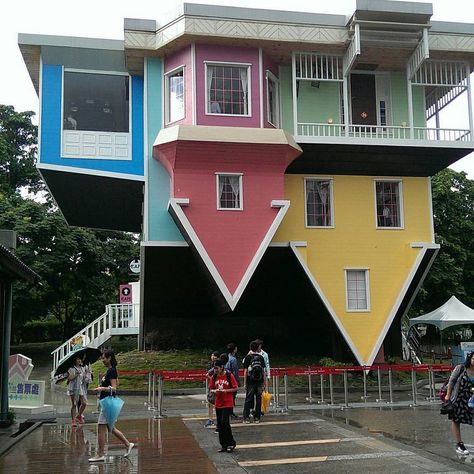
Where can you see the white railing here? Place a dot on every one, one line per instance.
(421, 53)
(118, 319)
(318, 67)
(382, 132)
(441, 73)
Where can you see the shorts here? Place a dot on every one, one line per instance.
(102, 420)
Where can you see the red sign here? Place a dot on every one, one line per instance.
(125, 294)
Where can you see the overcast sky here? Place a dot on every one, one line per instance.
(104, 19)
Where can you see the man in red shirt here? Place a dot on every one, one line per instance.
(223, 384)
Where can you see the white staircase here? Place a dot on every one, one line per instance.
(118, 320)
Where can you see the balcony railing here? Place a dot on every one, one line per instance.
(382, 132)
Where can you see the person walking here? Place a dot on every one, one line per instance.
(77, 391)
(459, 391)
(266, 358)
(254, 383)
(210, 405)
(107, 385)
(233, 367)
(223, 385)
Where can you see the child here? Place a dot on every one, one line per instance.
(210, 372)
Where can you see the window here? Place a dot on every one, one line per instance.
(227, 89)
(229, 191)
(319, 202)
(175, 95)
(357, 295)
(273, 100)
(388, 204)
(96, 102)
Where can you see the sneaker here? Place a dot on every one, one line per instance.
(97, 459)
(129, 449)
(80, 419)
(247, 420)
(231, 448)
(216, 431)
(209, 424)
(461, 449)
(257, 421)
(235, 417)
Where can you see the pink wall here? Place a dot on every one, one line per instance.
(268, 64)
(230, 237)
(227, 54)
(183, 58)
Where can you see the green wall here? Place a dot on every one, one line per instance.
(398, 85)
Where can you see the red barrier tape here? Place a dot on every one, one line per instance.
(198, 374)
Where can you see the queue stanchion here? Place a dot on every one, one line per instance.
(321, 378)
(309, 398)
(160, 398)
(285, 380)
(390, 386)
(379, 382)
(431, 387)
(331, 389)
(364, 379)
(346, 402)
(148, 401)
(413, 387)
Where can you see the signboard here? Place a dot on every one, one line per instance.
(135, 266)
(22, 392)
(465, 348)
(126, 294)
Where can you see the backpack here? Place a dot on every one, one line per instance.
(255, 369)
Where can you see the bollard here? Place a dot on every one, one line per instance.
(153, 393)
(346, 403)
(285, 379)
(310, 393)
(379, 381)
(331, 390)
(413, 387)
(148, 402)
(160, 399)
(390, 387)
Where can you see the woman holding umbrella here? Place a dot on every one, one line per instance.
(77, 391)
(108, 386)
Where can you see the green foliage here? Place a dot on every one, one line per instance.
(41, 330)
(452, 272)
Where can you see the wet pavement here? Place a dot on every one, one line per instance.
(368, 437)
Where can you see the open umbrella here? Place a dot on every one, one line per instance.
(111, 407)
(88, 355)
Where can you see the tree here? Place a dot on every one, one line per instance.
(452, 272)
(80, 268)
(18, 148)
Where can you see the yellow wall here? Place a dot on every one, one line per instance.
(354, 242)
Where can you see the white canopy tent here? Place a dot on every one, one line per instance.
(452, 313)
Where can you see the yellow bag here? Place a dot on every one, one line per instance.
(266, 397)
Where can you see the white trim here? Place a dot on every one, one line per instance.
(249, 87)
(166, 104)
(401, 295)
(97, 71)
(231, 299)
(145, 149)
(260, 85)
(367, 289)
(430, 207)
(193, 82)
(270, 76)
(164, 243)
(40, 108)
(331, 196)
(105, 174)
(296, 243)
(400, 203)
(241, 192)
(326, 302)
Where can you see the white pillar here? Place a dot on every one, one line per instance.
(295, 99)
(469, 101)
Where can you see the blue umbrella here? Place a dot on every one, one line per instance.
(111, 407)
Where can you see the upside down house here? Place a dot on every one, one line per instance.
(277, 164)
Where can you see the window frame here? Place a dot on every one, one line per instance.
(241, 191)
(167, 75)
(331, 197)
(249, 87)
(271, 77)
(399, 181)
(367, 289)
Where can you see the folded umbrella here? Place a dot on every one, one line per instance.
(111, 407)
(88, 355)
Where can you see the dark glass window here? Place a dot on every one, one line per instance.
(96, 102)
(388, 203)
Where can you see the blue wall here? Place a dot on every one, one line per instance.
(51, 128)
(160, 224)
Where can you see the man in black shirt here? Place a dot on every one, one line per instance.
(254, 382)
